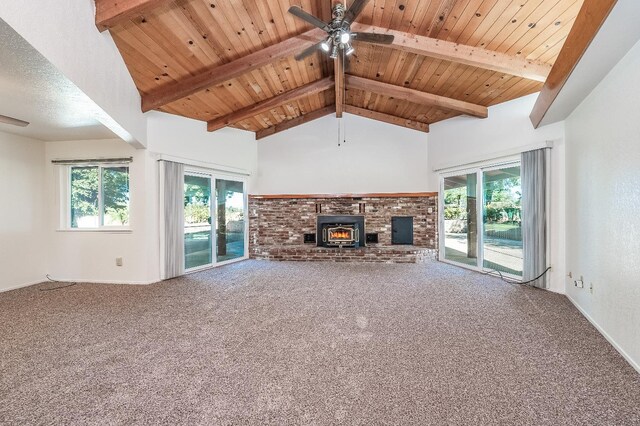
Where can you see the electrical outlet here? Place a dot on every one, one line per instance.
(579, 283)
(118, 261)
(591, 288)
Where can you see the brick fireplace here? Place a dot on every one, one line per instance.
(290, 227)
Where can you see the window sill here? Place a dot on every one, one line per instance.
(98, 230)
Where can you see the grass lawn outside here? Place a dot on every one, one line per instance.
(501, 226)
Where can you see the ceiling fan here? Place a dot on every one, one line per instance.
(339, 30)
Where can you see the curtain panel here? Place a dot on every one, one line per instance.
(172, 218)
(534, 216)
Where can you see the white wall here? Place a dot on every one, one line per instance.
(603, 195)
(188, 139)
(377, 157)
(463, 139)
(22, 215)
(64, 32)
(90, 256)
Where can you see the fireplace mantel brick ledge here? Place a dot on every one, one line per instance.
(277, 224)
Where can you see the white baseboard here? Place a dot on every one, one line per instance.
(29, 284)
(118, 282)
(613, 343)
(15, 287)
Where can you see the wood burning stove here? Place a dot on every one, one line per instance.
(340, 235)
(340, 231)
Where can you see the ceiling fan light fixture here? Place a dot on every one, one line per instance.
(334, 52)
(348, 49)
(326, 45)
(340, 37)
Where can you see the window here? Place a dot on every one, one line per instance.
(99, 196)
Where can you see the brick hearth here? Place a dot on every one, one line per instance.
(277, 225)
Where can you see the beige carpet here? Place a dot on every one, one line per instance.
(308, 343)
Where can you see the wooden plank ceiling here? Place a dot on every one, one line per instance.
(230, 62)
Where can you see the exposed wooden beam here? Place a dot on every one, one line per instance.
(338, 68)
(589, 20)
(468, 55)
(416, 96)
(305, 118)
(219, 74)
(268, 104)
(387, 118)
(109, 13)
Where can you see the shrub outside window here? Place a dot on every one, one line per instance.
(99, 196)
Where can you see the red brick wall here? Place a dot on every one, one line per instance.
(277, 223)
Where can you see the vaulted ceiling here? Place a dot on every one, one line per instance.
(230, 62)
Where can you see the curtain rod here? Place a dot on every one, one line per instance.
(95, 160)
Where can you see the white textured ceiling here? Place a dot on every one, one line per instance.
(33, 90)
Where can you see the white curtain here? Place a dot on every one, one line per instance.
(534, 216)
(172, 219)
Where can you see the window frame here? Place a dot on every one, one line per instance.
(66, 208)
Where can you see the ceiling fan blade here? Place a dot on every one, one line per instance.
(354, 10)
(307, 52)
(295, 10)
(373, 38)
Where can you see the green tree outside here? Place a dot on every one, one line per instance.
(85, 194)
(115, 191)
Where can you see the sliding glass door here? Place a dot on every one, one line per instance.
(215, 209)
(480, 219)
(460, 219)
(230, 223)
(197, 221)
(502, 233)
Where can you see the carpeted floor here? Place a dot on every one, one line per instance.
(308, 343)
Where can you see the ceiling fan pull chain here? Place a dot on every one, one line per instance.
(344, 94)
(344, 131)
